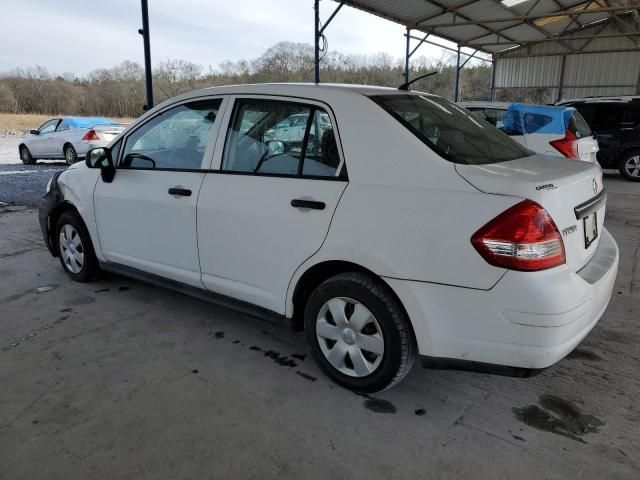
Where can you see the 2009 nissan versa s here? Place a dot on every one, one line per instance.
(400, 225)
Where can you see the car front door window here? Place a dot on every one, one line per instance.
(174, 139)
(48, 127)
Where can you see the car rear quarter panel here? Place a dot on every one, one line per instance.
(406, 213)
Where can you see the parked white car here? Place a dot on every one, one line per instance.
(292, 130)
(555, 131)
(67, 137)
(414, 229)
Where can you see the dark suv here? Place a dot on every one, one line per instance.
(616, 122)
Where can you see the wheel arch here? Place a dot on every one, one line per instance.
(627, 150)
(317, 273)
(54, 215)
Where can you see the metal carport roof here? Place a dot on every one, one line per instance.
(495, 25)
(498, 27)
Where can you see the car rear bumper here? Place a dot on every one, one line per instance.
(527, 320)
(84, 146)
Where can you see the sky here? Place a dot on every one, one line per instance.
(78, 36)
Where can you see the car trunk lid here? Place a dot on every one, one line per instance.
(558, 185)
(108, 132)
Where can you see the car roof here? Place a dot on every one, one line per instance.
(87, 122)
(308, 87)
(484, 104)
(322, 91)
(622, 99)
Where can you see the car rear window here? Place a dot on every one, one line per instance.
(579, 126)
(450, 130)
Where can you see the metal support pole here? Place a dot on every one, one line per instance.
(406, 56)
(144, 31)
(561, 83)
(493, 80)
(316, 71)
(457, 86)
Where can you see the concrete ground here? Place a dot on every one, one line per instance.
(117, 379)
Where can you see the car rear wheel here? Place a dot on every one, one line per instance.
(75, 249)
(70, 155)
(630, 166)
(25, 156)
(358, 333)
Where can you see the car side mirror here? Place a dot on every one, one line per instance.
(34, 132)
(101, 158)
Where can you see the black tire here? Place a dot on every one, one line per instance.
(399, 341)
(89, 268)
(625, 167)
(70, 155)
(25, 156)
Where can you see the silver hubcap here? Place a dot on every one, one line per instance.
(23, 154)
(632, 166)
(71, 248)
(350, 337)
(69, 155)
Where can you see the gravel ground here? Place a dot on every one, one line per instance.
(23, 184)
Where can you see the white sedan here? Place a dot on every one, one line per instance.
(410, 228)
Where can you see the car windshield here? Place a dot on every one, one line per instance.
(450, 130)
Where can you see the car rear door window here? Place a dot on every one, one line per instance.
(608, 115)
(281, 138)
(632, 114)
(63, 126)
(321, 156)
(174, 139)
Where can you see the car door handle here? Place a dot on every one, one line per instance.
(312, 204)
(183, 192)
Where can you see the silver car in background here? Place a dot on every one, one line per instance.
(68, 137)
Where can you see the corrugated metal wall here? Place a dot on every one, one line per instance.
(585, 74)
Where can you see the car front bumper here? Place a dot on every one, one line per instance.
(528, 320)
(48, 203)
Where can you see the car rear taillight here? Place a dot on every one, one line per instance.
(91, 135)
(524, 237)
(567, 146)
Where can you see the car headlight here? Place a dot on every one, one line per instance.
(49, 184)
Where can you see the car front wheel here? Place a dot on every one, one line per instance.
(630, 166)
(75, 249)
(358, 333)
(25, 156)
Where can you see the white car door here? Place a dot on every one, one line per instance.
(146, 217)
(59, 137)
(263, 213)
(40, 144)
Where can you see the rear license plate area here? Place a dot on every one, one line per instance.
(590, 224)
